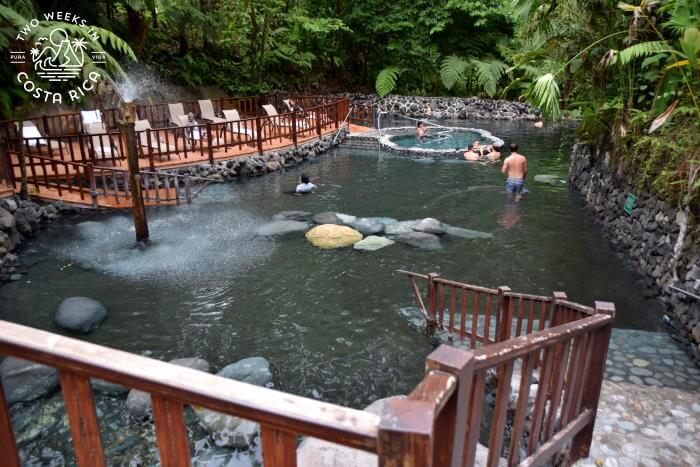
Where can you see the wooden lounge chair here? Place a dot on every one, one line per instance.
(162, 147)
(176, 110)
(193, 133)
(232, 115)
(283, 121)
(34, 138)
(206, 110)
(101, 143)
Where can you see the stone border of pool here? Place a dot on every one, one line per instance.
(385, 142)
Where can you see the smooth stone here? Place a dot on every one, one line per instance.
(281, 227)
(368, 225)
(431, 226)
(372, 243)
(346, 218)
(292, 216)
(386, 220)
(640, 363)
(327, 218)
(640, 371)
(398, 228)
(227, 430)
(25, 381)
(466, 233)
(138, 403)
(333, 236)
(549, 179)
(420, 240)
(81, 314)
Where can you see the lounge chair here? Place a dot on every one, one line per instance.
(288, 104)
(102, 145)
(206, 110)
(193, 133)
(176, 110)
(142, 127)
(34, 138)
(88, 117)
(283, 121)
(232, 115)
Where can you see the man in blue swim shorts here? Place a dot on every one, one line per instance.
(515, 168)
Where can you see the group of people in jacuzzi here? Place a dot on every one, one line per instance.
(475, 152)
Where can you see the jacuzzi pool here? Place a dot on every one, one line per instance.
(440, 141)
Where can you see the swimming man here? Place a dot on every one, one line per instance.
(515, 167)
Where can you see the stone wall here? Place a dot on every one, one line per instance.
(450, 107)
(649, 239)
(19, 220)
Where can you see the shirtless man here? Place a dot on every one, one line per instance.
(475, 152)
(515, 167)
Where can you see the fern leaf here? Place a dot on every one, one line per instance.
(640, 50)
(488, 74)
(386, 80)
(452, 70)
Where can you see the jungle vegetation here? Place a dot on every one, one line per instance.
(629, 72)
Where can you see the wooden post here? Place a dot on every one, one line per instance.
(318, 122)
(138, 209)
(93, 185)
(451, 426)
(554, 312)
(505, 317)
(294, 128)
(8, 445)
(581, 443)
(432, 324)
(151, 162)
(210, 149)
(405, 434)
(188, 190)
(6, 174)
(258, 134)
(84, 426)
(279, 448)
(24, 186)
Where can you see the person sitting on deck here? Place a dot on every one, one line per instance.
(305, 186)
(421, 130)
(515, 167)
(295, 107)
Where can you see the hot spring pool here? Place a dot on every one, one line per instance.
(438, 140)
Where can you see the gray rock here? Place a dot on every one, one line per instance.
(25, 381)
(292, 216)
(368, 225)
(7, 220)
(431, 226)
(327, 218)
(372, 243)
(549, 180)
(253, 370)
(81, 314)
(346, 218)
(138, 403)
(420, 240)
(281, 227)
(466, 233)
(398, 228)
(106, 387)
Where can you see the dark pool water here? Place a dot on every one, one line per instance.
(326, 319)
(441, 139)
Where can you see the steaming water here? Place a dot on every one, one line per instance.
(327, 320)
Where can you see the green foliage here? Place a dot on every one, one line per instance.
(386, 80)
(453, 70)
(488, 74)
(545, 94)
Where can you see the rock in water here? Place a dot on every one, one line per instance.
(227, 430)
(138, 403)
(333, 236)
(549, 179)
(346, 218)
(398, 228)
(292, 216)
(420, 240)
(80, 314)
(466, 233)
(327, 218)
(431, 226)
(281, 228)
(25, 381)
(368, 225)
(372, 243)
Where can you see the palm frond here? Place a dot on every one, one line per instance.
(545, 95)
(642, 49)
(452, 70)
(386, 80)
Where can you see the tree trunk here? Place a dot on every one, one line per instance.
(138, 27)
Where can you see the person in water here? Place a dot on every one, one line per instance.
(515, 168)
(477, 152)
(304, 185)
(494, 154)
(421, 130)
(539, 123)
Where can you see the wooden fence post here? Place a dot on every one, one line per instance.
(8, 445)
(318, 122)
(451, 426)
(432, 324)
(6, 171)
(405, 433)
(294, 128)
(151, 162)
(554, 312)
(258, 134)
(93, 184)
(188, 190)
(581, 443)
(210, 149)
(505, 315)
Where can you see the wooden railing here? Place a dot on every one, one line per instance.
(362, 114)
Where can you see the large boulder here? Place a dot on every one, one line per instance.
(346, 218)
(281, 227)
(368, 225)
(333, 236)
(227, 430)
(138, 403)
(327, 218)
(292, 216)
(431, 226)
(466, 233)
(420, 240)
(81, 314)
(372, 243)
(25, 381)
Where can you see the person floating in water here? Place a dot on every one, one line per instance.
(515, 168)
(304, 185)
(421, 130)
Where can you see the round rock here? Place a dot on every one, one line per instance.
(420, 240)
(431, 226)
(25, 381)
(368, 225)
(327, 218)
(253, 370)
(333, 236)
(466, 233)
(81, 314)
(398, 228)
(345, 218)
(372, 243)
